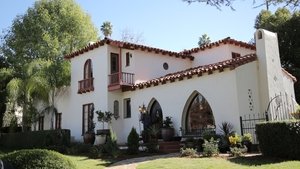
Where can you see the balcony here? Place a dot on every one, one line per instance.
(85, 85)
(120, 80)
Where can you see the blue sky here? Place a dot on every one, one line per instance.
(166, 24)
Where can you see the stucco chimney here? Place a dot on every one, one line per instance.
(269, 66)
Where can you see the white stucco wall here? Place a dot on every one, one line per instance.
(218, 54)
(72, 119)
(219, 90)
(148, 66)
(270, 73)
(288, 85)
(247, 89)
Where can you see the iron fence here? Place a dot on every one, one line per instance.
(279, 108)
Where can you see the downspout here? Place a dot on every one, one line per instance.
(120, 66)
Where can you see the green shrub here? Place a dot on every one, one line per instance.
(133, 142)
(111, 146)
(35, 139)
(95, 152)
(279, 139)
(237, 152)
(152, 146)
(247, 137)
(210, 148)
(61, 149)
(78, 148)
(208, 134)
(37, 158)
(188, 152)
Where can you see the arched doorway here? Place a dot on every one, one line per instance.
(154, 118)
(198, 115)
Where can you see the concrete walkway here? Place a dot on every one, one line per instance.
(132, 163)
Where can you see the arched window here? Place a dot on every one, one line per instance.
(87, 84)
(116, 108)
(259, 35)
(88, 70)
(199, 115)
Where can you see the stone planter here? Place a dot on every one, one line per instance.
(100, 139)
(167, 134)
(103, 132)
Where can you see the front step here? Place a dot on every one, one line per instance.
(169, 146)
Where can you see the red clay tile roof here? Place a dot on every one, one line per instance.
(289, 75)
(127, 45)
(227, 40)
(189, 73)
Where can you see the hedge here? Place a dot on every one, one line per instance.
(35, 139)
(37, 158)
(279, 139)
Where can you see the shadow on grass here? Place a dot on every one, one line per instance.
(137, 159)
(256, 160)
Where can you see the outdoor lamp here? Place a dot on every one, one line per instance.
(142, 109)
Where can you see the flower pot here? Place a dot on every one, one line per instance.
(248, 144)
(89, 138)
(100, 139)
(167, 134)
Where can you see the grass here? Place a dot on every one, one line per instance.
(257, 162)
(87, 163)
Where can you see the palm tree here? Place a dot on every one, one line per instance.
(106, 28)
(204, 40)
(27, 86)
(57, 73)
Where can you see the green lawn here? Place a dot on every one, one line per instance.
(87, 163)
(220, 163)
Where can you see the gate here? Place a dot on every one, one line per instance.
(248, 123)
(279, 109)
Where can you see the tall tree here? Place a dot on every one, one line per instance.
(219, 3)
(287, 27)
(106, 28)
(4, 79)
(128, 35)
(204, 40)
(47, 31)
(27, 87)
(57, 75)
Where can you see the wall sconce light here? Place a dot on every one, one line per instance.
(142, 109)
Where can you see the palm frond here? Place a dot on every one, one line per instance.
(14, 88)
(6, 73)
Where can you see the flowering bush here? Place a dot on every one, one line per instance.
(188, 152)
(210, 148)
(237, 152)
(235, 139)
(247, 137)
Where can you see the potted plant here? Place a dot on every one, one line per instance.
(247, 141)
(103, 117)
(167, 132)
(89, 135)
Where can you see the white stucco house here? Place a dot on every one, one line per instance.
(198, 88)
